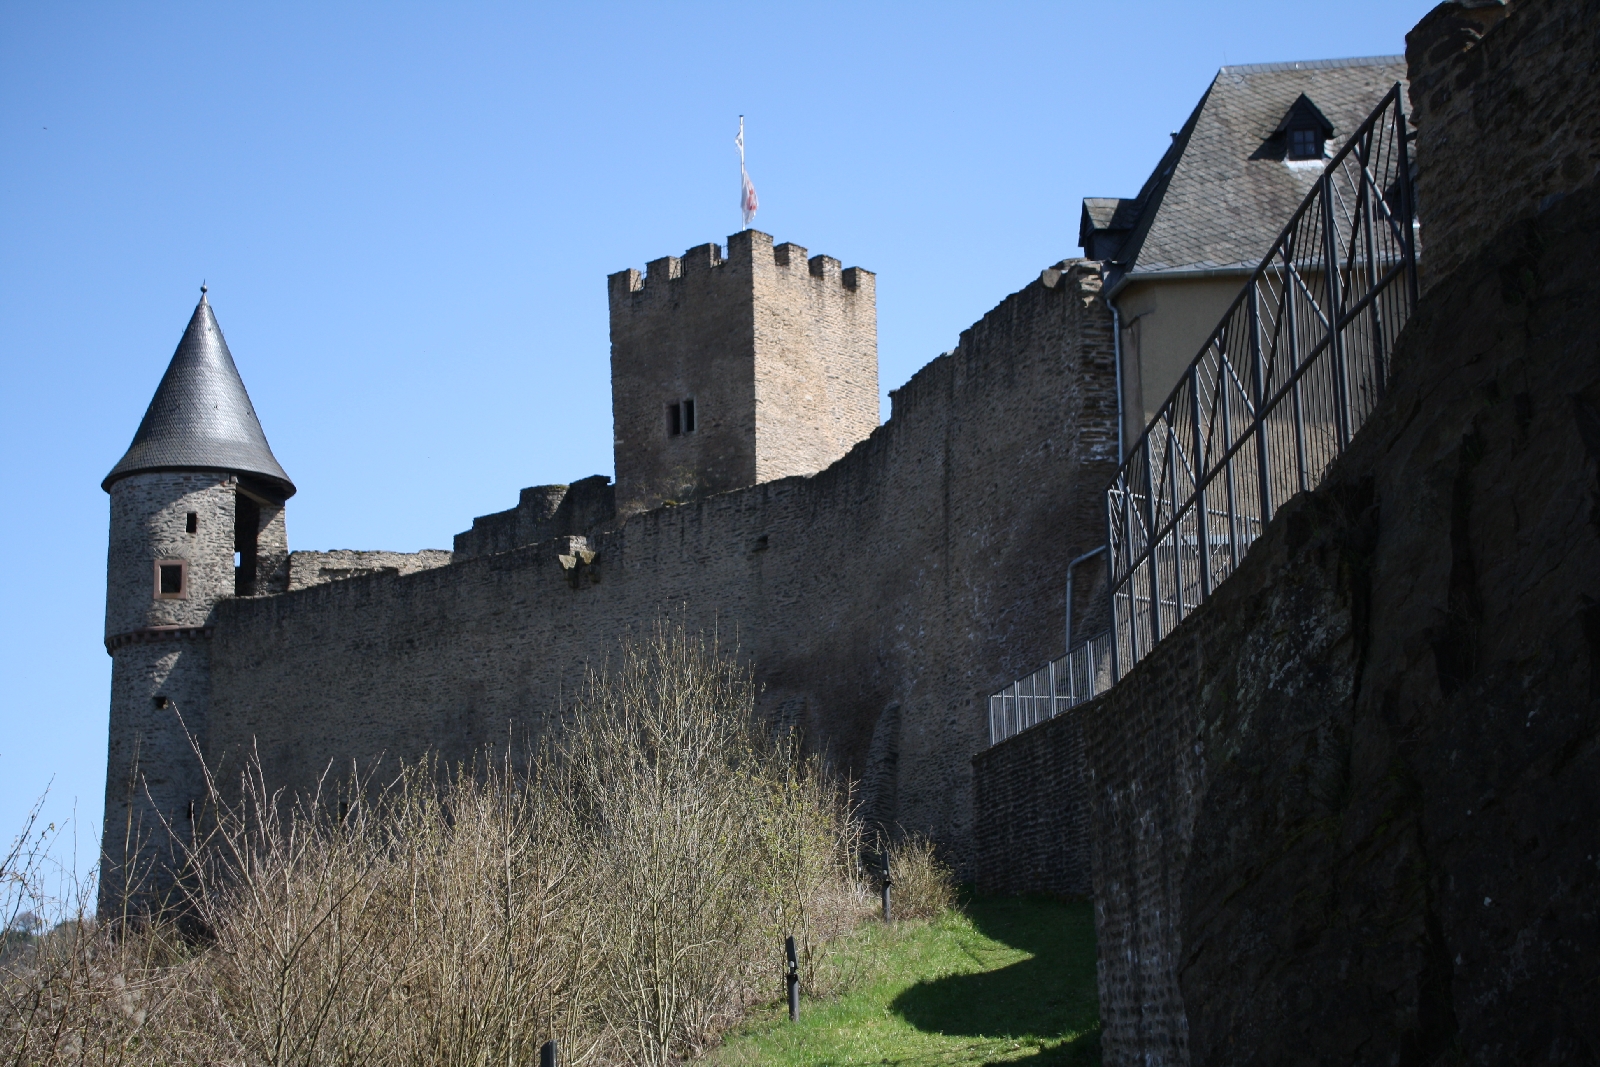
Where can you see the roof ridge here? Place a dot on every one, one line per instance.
(1312, 64)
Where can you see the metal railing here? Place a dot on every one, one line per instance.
(1080, 675)
(1293, 370)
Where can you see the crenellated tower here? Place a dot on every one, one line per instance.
(729, 371)
(197, 515)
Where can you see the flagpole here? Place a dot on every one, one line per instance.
(743, 225)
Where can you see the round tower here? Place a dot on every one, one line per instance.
(196, 516)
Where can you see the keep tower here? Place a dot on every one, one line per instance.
(197, 515)
(729, 371)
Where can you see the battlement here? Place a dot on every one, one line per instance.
(747, 252)
(736, 366)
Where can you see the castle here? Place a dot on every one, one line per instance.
(1340, 812)
(882, 580)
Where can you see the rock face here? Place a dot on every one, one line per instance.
(1346, 812)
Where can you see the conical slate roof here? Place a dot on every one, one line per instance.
(201, 417)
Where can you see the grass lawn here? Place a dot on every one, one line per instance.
(1006, 980)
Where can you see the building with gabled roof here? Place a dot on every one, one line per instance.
(1176, 254)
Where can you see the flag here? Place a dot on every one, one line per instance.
(748, 204)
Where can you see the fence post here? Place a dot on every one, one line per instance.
(1408, 206)
(1258, 387)
(1330, 269)
(1111, 581)
(792, 979)
(1150, 542)
(888, 880)
(1200, 472)
(547, 1053)
(1291, 335)
(1132, 564)
(1177, 522)
(1375, 307)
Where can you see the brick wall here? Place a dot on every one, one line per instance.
(1032, 812)
(1504, 96)
(880, 600)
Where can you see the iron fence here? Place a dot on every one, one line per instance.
(1081, 674)
(1293, 370)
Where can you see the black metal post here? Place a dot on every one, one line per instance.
(792, 979)
(1150, 541)
(1201, 470)
(1335, 296)
(547, 1054)
(1112, 585)
(888, 880)
(1259, 387)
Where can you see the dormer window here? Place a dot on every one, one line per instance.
(1301, 133)
(1304, 143)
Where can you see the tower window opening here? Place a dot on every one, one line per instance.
(688, 416)
(1304, 143)
(193, 522)
(246, 529)
(172, 579)
(674, 420)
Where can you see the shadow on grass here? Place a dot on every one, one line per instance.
(1046, 997)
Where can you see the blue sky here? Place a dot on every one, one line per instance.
(406, 213)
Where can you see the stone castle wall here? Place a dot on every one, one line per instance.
(1032, 809)
(1518, 78)
(1341, 814)
(160, 664)
(816, 361)
(880, 600)
(543, 512)
(314, 568)
(778, 354)
(1346, 805)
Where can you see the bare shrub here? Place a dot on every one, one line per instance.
(924, 885)
(625, 889)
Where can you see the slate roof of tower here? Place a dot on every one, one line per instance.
(1223, 192)
(201, 417)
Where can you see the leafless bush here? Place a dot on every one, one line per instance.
(924, 885)
(625, 889)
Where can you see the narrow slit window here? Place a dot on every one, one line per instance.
(192, 524)
(688, 416)
(674, 420)
(172, 579)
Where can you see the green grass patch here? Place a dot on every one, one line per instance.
(1005, 980)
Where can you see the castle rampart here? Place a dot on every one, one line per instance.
(879, 599)
(543, 512)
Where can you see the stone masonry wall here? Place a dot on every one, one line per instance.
(1032, 812)
(1344, 813)
(779, 355)
(314, 568)
(816, 361)
(1519, 80)
(543, 512)
(160, 667)
(880, 600)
